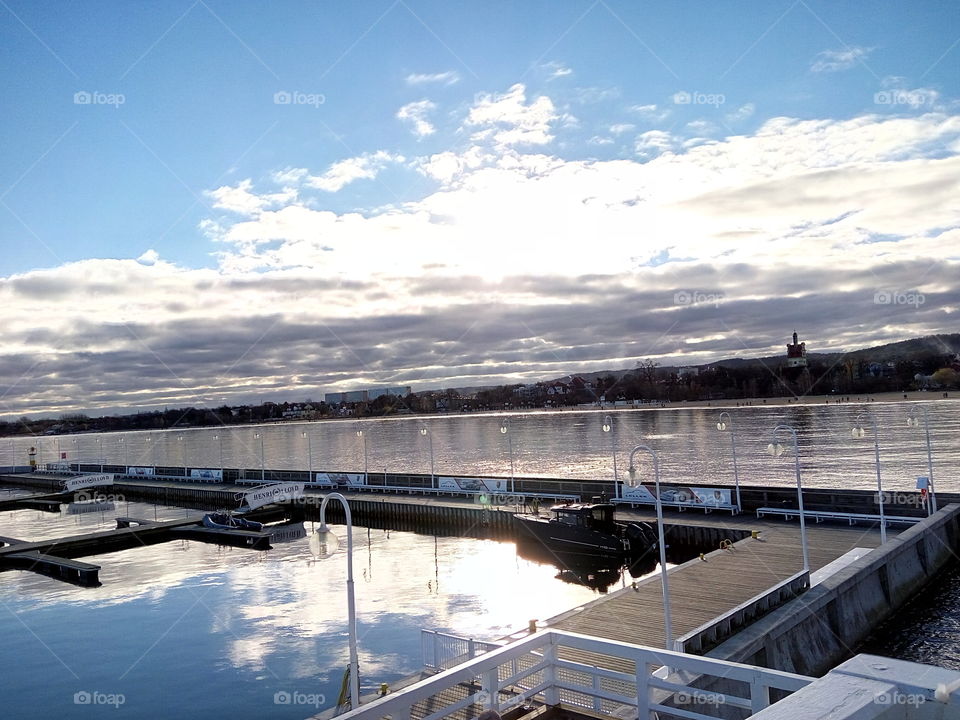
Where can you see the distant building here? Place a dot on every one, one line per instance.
(796, 354)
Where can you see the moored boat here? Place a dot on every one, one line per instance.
(228, 521)
(587, 529)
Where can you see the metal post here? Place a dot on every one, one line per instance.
(667, 625)
(425, 431)
(351, 604)
(362, 436)
(721, 425)
(608, 427)
(505, 429)
(933, 494)
(796, 458)
(859, 433)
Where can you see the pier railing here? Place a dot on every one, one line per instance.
(552, 667)
(441, 651)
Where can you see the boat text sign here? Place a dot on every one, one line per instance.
(85, 481)
(280, 492)
(206, 474)
(341, 479)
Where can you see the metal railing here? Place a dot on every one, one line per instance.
(441, 651)
(538, 669)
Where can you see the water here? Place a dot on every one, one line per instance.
(565, 444)
(927, 629)
(184, 629)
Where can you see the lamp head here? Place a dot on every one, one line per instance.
(423, 431)
(721, 425)
(775, 449)
(503, 428)
(359, 433)
(632, 475)
(324, 543)
(858, 432)
(913, 421)
(606, 426)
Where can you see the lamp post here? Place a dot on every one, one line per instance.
(100, 451)
(776, 449)
(306, 435)
(149, 439)
(914, 421)
(263, 474)
(425, 431)
(328, 543)
(219, 438)
(607, 428)
(505, 430)
(183, 454)
(632, 472)
(721, 425)
(123, 444)
(859, 432)
(364, 438)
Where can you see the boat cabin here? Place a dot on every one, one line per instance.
(593, 516)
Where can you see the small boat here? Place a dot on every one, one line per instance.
(228, 521)
(587, 529)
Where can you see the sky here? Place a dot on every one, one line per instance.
(220, 202)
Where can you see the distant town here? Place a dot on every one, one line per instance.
(926, 364)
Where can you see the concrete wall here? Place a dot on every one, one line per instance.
(824, 626)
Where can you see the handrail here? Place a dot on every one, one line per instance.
(532, 669)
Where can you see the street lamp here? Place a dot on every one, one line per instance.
(306, 435)
(100, 451)
(859, 432)
(425, 431)
(505, 430)
(608, 427)
(721, 425)
(263, 474)
(776, 449)
(326, 544)
(364, 438)
(914, 421)
(632, 472)
(219, 437)
(183, 454)
(123, 444)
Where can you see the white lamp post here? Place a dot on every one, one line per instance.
(505, 430)
(425, 431)
(263, 474)
(914, 421)
(123, 444)
(721, 425)
(306, 435)
(100, 451)
(328, 543)
(183, 454)
(219, 438)
(364, 438)
(776, 449)
(859, 432)
(607, 428)
(632, 472)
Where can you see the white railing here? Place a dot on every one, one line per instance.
(441, 651)
(539, 668)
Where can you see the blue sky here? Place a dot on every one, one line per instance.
(434, 161)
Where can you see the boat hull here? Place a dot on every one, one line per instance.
(571, 540)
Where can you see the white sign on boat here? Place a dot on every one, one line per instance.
(280, 492)
(85, 481)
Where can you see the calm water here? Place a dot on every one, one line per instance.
(566, 444)
(185, 629)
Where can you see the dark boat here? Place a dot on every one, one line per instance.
(227, 521)
(587, 529)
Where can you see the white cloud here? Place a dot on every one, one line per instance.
(653, 142)
(450, 77)
(556, 70)
(508, 120)
(416, 114)
(741, 113)
(834, 60)
(238, 199)
(600, 140)
(344, 172)
(150, 257)
(650, 113)
(620, 128)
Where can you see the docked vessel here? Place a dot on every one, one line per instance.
(586, 529)
(228, 521)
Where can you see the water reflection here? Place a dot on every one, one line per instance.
(173, 620)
